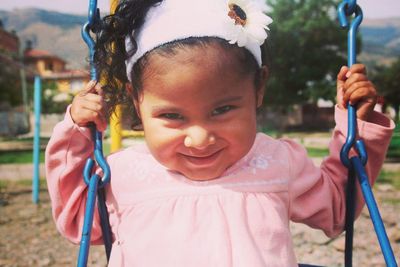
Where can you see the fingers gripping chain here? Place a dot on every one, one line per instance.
(345, 9)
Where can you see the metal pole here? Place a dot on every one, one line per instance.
(115, 120)
(116, 129)
(36, 141)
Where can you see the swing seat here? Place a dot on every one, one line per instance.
(308, 265)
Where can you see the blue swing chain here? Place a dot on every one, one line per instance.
(356, 164)
(95, 182)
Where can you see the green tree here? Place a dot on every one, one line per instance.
(306, 47)
(387, 80)
(51, 102)
(10, 83)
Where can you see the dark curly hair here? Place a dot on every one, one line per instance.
(110, 54)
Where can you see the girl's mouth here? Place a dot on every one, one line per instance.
(203, 160)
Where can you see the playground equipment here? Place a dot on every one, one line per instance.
(95, 182)
(355, 164)
(36, 140)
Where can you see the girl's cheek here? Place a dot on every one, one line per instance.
(162, 138)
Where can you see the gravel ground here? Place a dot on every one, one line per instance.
(29, 237)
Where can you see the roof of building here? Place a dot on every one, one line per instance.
(8, 41)
(39, 54)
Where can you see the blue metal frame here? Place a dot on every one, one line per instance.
(356, 164)
(36, 140)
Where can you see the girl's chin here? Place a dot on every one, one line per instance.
(202, 175)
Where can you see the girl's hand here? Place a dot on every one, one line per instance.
(354, 87)
(88, 106)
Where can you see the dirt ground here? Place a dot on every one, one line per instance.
(29, 237)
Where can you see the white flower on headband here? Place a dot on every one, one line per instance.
(249, 23)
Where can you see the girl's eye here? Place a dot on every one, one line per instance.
(171, 116)
(222, 110)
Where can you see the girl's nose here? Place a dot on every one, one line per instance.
(199, 138)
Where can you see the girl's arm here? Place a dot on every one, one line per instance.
(317, 195)
(67, 151)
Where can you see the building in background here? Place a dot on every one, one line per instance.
(9, 42)
(59, 84)
(14, 114)
(17, 70)
(52, 68)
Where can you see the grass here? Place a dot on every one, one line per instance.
(26, 156)
(19, 157)
(392, 201)
(106, 149)
(315, 152)
(6, 184)
(3, 185)
(392, 178)
(393, 151)
(394, 148)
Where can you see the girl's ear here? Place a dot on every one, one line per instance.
(134, 97)
(263, 82)
(129, 88)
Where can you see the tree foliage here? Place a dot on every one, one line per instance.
(10, 83)
(306, 48)
(387, 80)
(52, 100)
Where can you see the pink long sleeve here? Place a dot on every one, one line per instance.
(66, 154)
(317, 194)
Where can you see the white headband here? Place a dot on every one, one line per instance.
(237, 21)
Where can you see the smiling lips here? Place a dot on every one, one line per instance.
(202, 160)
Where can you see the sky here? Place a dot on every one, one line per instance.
(372, 9)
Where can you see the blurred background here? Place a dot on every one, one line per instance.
(304, 52)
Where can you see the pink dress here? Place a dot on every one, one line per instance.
(160, 218)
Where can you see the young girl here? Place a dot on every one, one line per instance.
(205, 189)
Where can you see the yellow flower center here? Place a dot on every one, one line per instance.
(237, 14)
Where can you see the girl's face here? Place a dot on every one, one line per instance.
(198, 111)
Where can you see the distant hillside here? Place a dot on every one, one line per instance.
(56, 32)
(20, 19)
(59, 33)
(381, 40)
